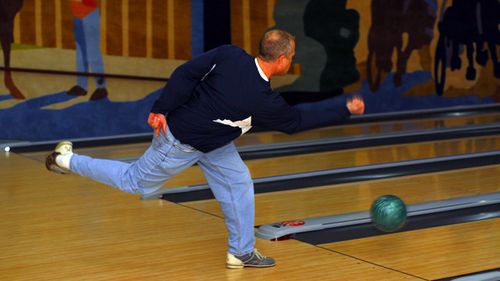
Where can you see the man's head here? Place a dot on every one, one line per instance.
(277, 47)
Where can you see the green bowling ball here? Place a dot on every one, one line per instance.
(388, 213)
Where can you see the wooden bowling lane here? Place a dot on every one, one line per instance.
(432, 253)
(352, 197)
(335, 159)
(55, 227)
(132, 151)
(369, 129)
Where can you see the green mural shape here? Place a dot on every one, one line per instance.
(337, 29)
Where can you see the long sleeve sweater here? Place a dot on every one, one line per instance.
(218, 96)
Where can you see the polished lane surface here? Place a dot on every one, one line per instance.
(132, 151)
(429, 253)
(333, 160)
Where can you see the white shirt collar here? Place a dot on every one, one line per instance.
(262, 74)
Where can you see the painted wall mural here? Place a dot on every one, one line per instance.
(91, 68)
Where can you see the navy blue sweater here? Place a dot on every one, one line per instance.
(216, 97)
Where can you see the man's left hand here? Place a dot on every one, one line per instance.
(158, 122)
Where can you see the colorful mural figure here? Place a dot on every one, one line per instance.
(391, 20)
(471, 24)
(88, 52)
(337, 29)
(8, 11)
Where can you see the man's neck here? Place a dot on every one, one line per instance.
(266, 67)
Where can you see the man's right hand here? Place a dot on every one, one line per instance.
(356, 105)
(158, 122)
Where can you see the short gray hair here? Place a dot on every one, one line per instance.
(274, 43)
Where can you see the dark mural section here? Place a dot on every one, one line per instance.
(473, 25)
(8, 11)
(391, 21)
(336, 28)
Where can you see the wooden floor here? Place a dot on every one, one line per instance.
(431, 253)
(56, 227)
(315, 161)
(130, 151)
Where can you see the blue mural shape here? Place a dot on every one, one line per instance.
(30, 122)
(390, 98)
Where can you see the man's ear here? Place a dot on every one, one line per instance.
(281, 58)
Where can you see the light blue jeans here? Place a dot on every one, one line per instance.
(225, 171)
